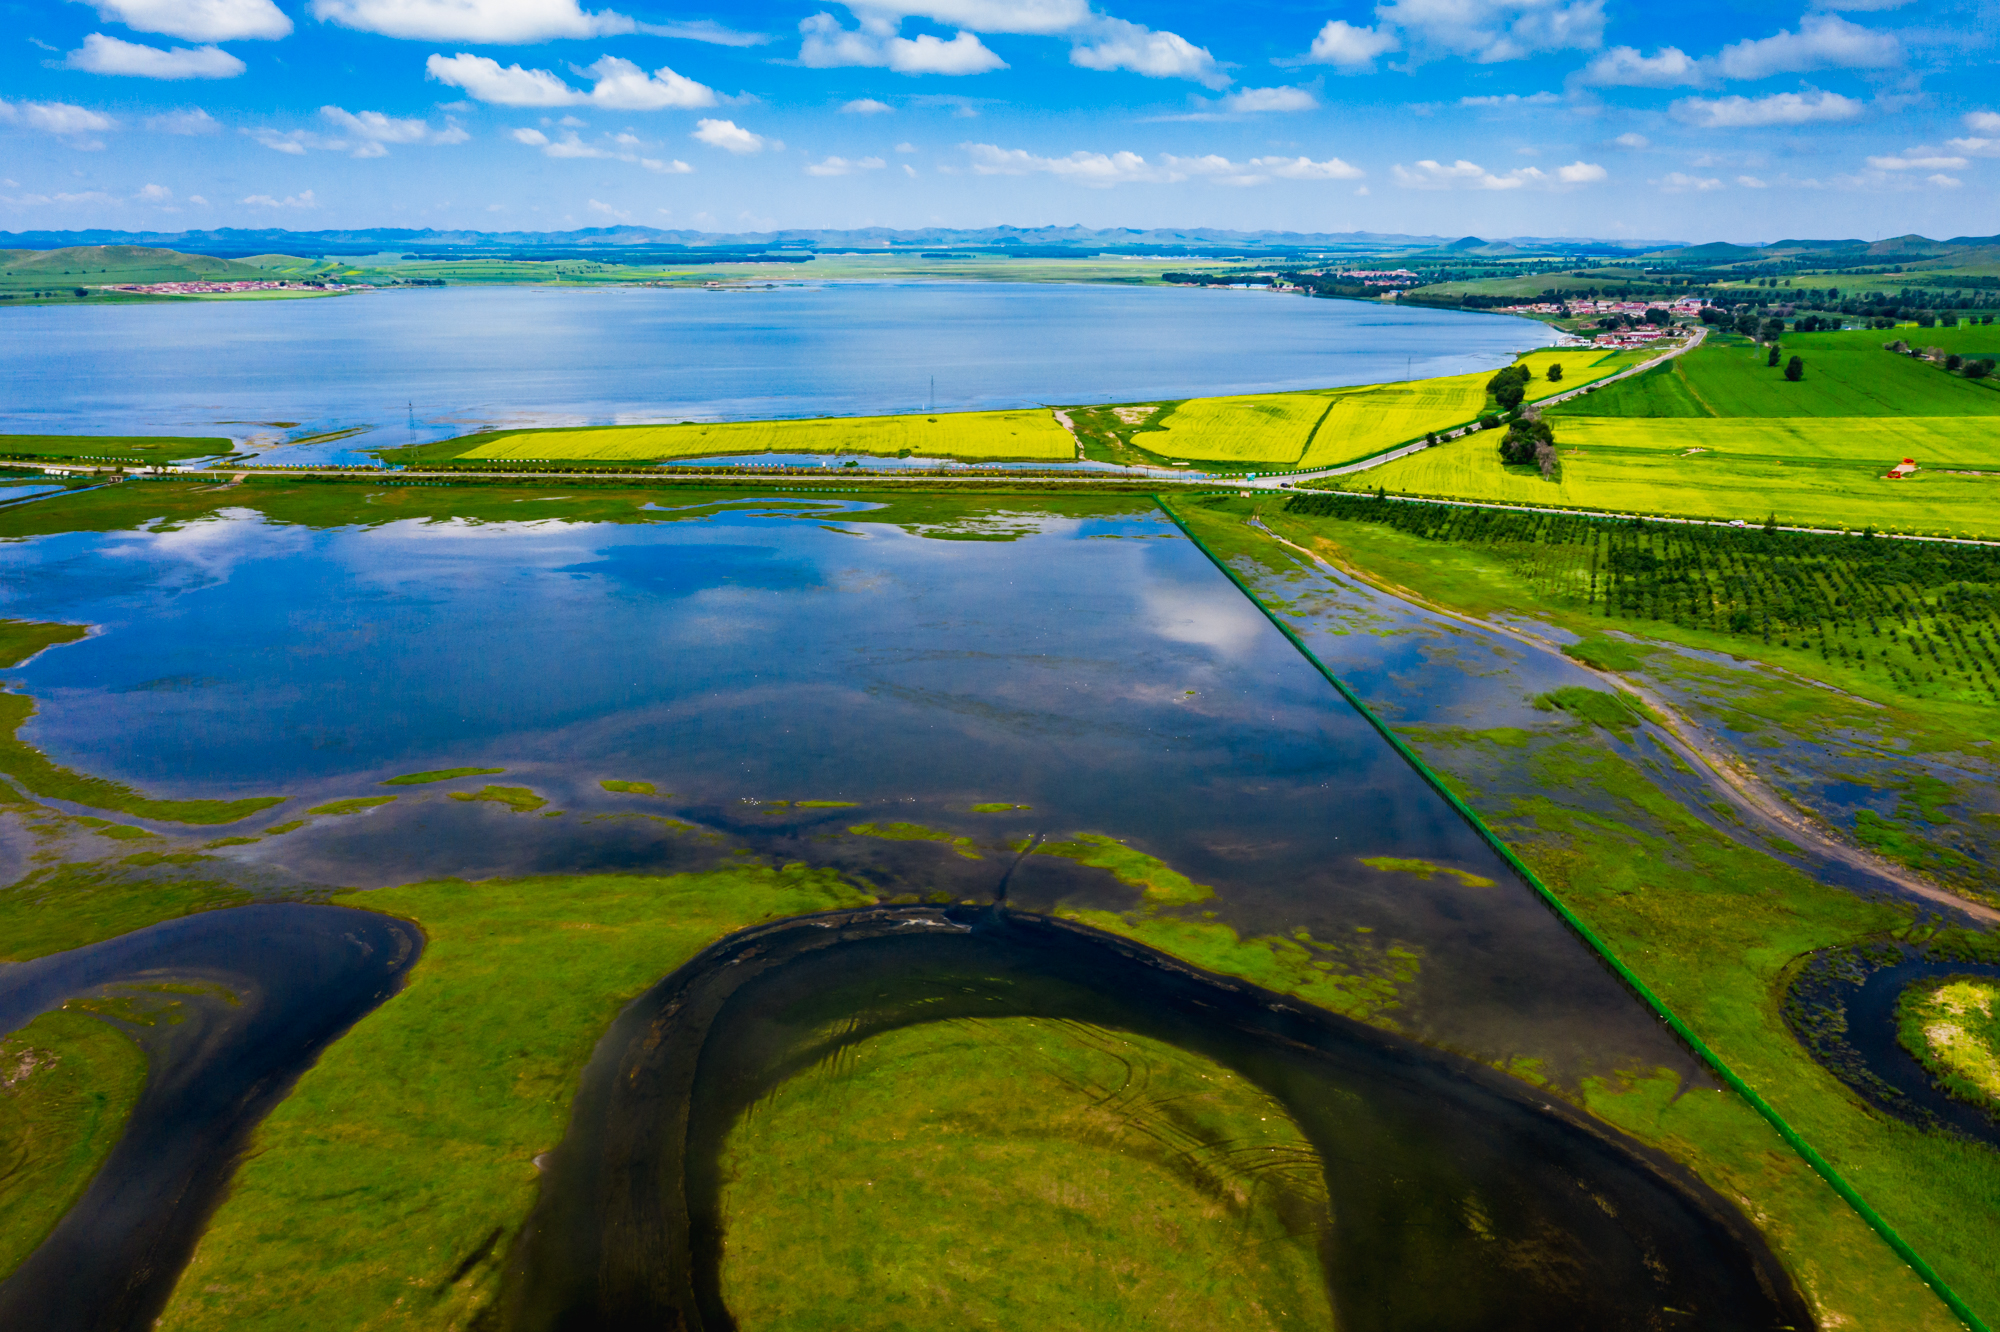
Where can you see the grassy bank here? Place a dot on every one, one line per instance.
(1712, 924)
(1021, 1173)
(68, 1083)
(137, 449)
(382, 1193)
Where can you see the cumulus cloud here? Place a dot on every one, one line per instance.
(1776, 109)
(359, 134)
(1116, 44)
(731, 137)
(154, 194)
(199, 20)
(1945, 182)
(1041, 18)
(303, 199)
(1634, 142)
(79, 125)
(1464, 175)
(875, 45)
(610, 147)
(706, 30)
(1917, 159)
(499, 22)
(107, 55)
(1270, 99)
(620, 85)
(1752, 183)
(1983, 122)
(1510, 100)
(1625, 67)
(1353, 50)
(865, 106)
(1490, 31)
(1823, 41)
(841, 166)
(1679, 182)
(194, 120)
(1103, 170)
(1985, 139)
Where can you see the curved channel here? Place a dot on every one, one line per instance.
(1584, 1228)
(276, 984)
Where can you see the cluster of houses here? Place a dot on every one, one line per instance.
(219, 288)
(1687, 305)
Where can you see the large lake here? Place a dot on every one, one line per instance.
(417, 365)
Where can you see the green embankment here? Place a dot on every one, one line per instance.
(19, 640)
(113, 448)
(1024, 435)
(1712, 925)
(409, 1148)
(1021, 1173)
(68, 1083)
(1952, 1025)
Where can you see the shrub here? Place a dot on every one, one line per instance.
(1556, 373)
(1772, 359)
(1523, 440)
(1795, 369)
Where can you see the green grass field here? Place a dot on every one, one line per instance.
(1846, 375)
(1021, 1173)
(112, 448)
(1023, 435)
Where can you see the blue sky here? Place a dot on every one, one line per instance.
(1697, 121)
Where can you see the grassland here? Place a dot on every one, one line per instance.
(67, 1085)
(1021, 1173)
(1023, 435)
(412, 1141)
(1710, 922)
(1952, 1026)
(58, 907)
(112, 448)
(1847, 375)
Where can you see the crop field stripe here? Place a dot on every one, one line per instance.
(1314, 434)
(1820, 1165)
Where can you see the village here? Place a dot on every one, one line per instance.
(226, 288)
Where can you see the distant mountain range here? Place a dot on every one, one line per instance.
(1028, 242)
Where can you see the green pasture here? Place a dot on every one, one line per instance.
(1830, 478)
(1026, 435)
(112, 448)
(1021, 1173)
(1846, 375)
(68, 1082)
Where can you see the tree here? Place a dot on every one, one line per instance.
(1658, 318)
(1795, 369)
(1978, 369)
(1773, 329)
(1954, 362)
(1746, 323)
(1772, 359)
(1556, 373)
(1522, 438)
(1509, 386)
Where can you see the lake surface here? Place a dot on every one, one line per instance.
(415, 365)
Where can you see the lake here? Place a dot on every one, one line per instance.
(416, 365)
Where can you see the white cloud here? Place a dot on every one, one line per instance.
(1945, 182)
(1489, 31)
(363, 134)
(865, 106)
(294, 143)
(906, 147)
(1350, 48)
(500, 22)
(1976, 147)
(620, 85)
(154, 194)
(597, 206)
(534, 138)
(1103, 170)
(1823, 41)
(840, 166)
(1633, 141)
(199, 20)
(1679, 182)
(194, 120)
(909, 171)
(303, 199)
(1752, 183)
(1115, 44)
(617, 148)
(1430, 175)
(1777, 109)
(1270, 99)
(74, 123)
(1513, 100)
(1917, 159)
(731, 137)
(107, 55)
(1983, 122)
(1033, 17)
(875, 45)
(1625, 67)
(706, 30)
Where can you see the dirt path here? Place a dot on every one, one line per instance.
(1731, 776)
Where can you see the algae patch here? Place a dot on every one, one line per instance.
(1162, 884)
(440, 775)
(1424, 869)
(517, 798)
(352, 806)
(916, 832)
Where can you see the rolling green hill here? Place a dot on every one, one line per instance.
(96, 265)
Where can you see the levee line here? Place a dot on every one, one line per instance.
(1807, 1152)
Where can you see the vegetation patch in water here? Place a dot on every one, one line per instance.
(1952, 1026)
(355, 805)
(517, 798)
(997, 807)
(68, 1083)
(439, 775)
(1021, 1173)
(384, 1191)
(1162, 884)
(1424, 869)
(279, 829)
(628, 788)
(916, 832)
(826, 804)
(1614, 711)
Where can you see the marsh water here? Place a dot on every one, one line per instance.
(1079, 660)
(407, 366)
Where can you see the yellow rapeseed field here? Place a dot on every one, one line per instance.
(1032, 435)
(1264, 428)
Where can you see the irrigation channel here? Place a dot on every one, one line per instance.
(258, 991)
(1587, 1228)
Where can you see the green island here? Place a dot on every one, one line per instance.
(1952, 1026)
(517, 798)
(440, 775)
